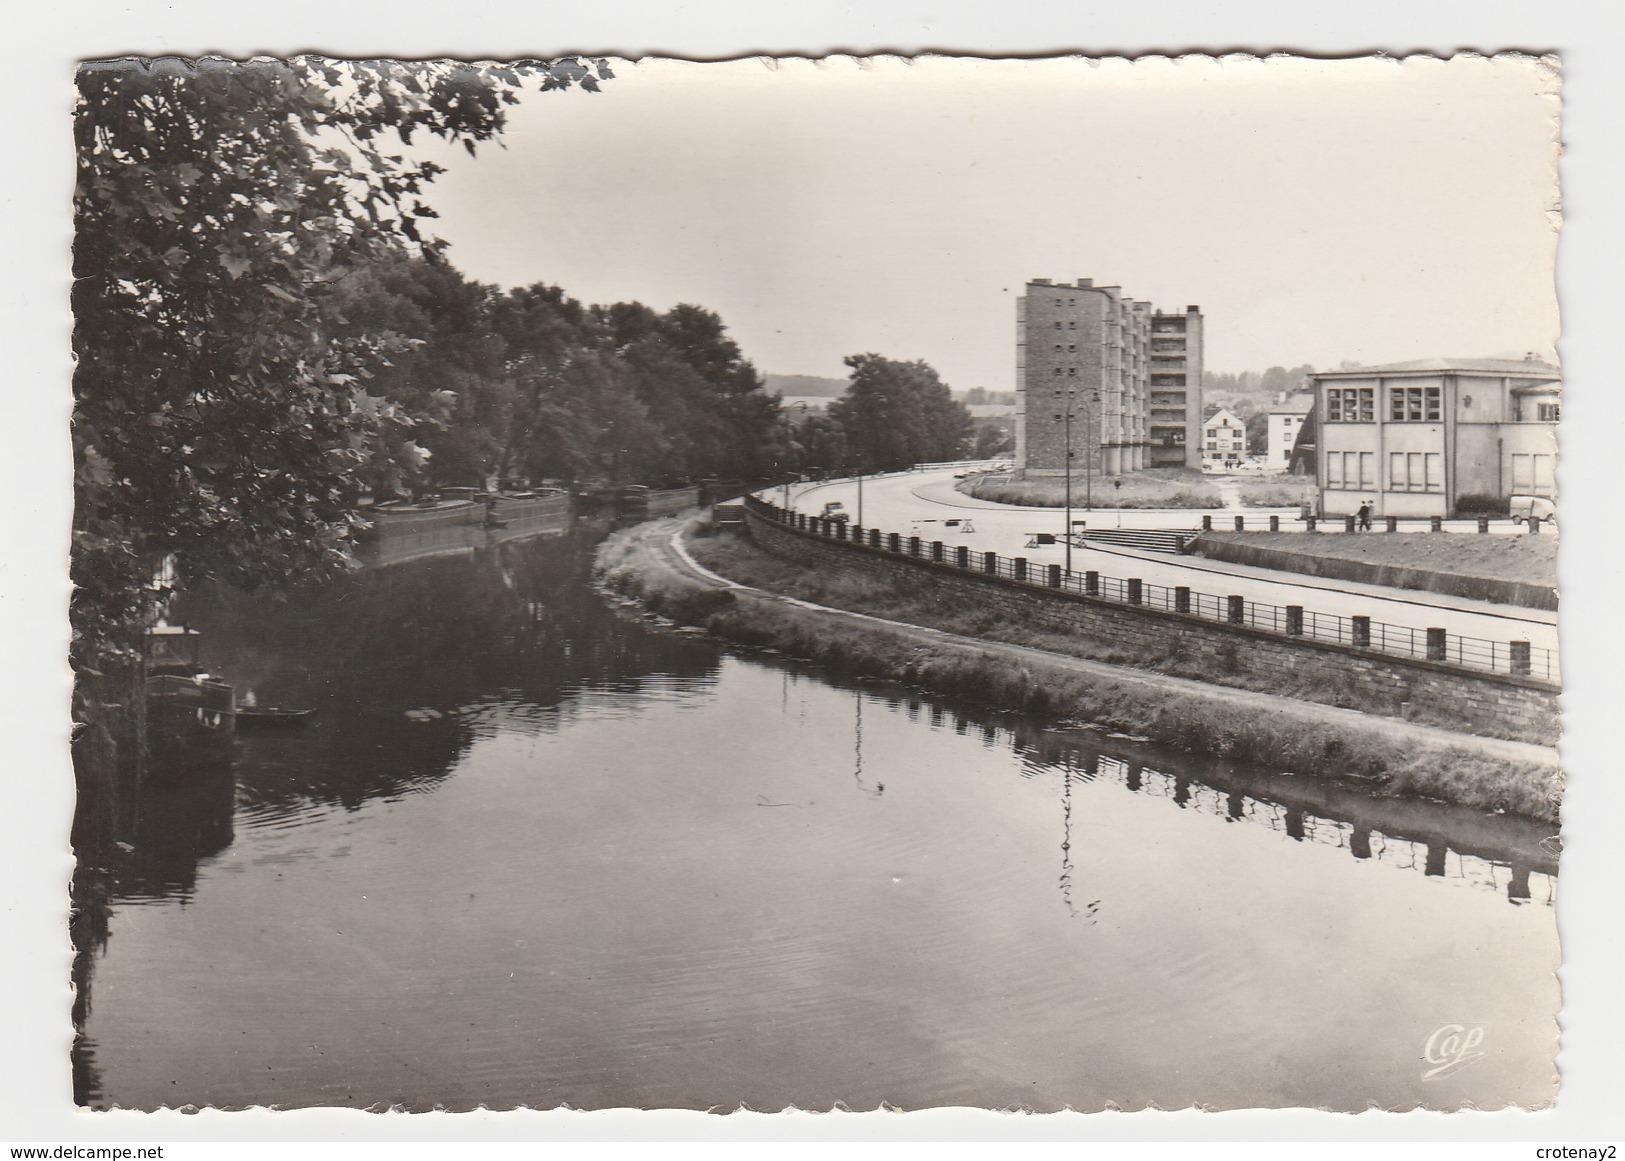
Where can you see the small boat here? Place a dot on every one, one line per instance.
(268, 717)
(191, 714)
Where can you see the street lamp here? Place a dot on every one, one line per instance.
(792, 424)
(1066, 461)
(1088, 457)
(1088, 460)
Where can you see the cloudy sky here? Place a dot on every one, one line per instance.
(1318, 211)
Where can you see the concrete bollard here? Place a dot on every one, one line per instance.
(936, 551)
(1294, 620)
(1520, 658)
(1534, 525)
(1360, 631)
(1309, 523)
(1436, 645)
(1236, 610)
(1275, 524)
(1182, 599)
(1054, 576)
(1348, 524)
(1091, 583)
(914, 546)
(1021, 567)
(894, 541)
(1483, 524)
(1435, 523)
(990, 563)
(1135, 593)
(1241, 523)
(962, 556)
(1393, 523)
(874, 538)
(1207, 524)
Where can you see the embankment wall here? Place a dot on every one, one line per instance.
(1506, 592)
(1497, 705)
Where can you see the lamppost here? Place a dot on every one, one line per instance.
(1088, 456)
(1066, 461)
(790, 436)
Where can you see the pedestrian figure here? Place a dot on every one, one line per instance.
(1365, 516)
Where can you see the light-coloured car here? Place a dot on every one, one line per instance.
(1523, 507)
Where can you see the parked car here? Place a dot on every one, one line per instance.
(1523, 507)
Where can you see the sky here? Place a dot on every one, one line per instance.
(1318, 211)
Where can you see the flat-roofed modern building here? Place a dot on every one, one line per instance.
(1434, 436)
(1106, 378)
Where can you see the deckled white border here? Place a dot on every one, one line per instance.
(34, 1100)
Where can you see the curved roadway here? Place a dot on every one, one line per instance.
(919, 503)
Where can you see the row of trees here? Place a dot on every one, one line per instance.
(264, 329)
(530, 383)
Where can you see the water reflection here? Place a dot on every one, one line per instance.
(521, 812)
(412, 659)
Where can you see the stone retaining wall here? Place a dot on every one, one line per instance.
(1506, 592)
(1525, 709)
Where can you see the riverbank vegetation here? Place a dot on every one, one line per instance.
(1302, 739)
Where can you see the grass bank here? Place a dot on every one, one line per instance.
(1009, 672)
(1272, 491)
(1151, 488)
(1524, 559)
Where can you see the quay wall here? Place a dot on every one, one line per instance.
(671, 500)
(1493, 704)
(1506, 592)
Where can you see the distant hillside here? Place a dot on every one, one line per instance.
(788, 385)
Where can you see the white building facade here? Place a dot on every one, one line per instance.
(1224, 442)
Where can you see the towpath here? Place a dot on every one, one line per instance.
(666, 537)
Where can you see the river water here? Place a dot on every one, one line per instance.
(534, 852)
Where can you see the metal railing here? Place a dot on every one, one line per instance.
(1436, 645)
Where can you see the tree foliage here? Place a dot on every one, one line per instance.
(217, 420)
(897, 414)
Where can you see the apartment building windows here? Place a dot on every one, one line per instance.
(1547, 412)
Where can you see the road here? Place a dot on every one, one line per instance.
(918, 504)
